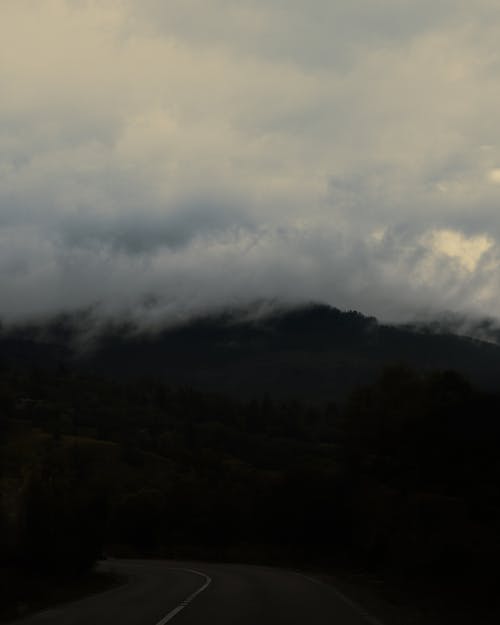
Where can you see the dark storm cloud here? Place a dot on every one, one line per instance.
(143, 232)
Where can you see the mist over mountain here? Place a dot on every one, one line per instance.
(313, 352)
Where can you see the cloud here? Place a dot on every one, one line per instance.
(213, 153)
(467, 251)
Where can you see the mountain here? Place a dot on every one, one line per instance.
(312, 352)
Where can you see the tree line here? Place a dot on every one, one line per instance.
(404, 475)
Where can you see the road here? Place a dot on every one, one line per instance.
(164, 592)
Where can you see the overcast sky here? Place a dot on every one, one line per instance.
(160, 157)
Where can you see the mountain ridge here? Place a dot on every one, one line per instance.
(313, 351)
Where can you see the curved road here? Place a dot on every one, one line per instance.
(160, 592)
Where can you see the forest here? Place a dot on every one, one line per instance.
(313, 353)
(403, 477)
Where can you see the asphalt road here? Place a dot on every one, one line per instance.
(207, 594)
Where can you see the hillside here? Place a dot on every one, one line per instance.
(100, 450)
(313, 352)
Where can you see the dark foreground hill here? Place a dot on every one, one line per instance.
(314, 352)
(102, 450)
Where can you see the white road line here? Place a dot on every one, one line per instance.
(190, 599)
(355, 606)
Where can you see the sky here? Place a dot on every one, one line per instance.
(161, 158)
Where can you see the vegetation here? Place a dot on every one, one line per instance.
(406, 474)
(401, 478)
(314, 353)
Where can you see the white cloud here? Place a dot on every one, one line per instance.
(468, 251)
(494, 175)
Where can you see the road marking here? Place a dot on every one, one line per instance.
(355, 606)
(190, 599)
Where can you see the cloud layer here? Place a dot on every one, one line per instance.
(194, 154)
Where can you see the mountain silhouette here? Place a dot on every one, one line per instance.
(313, 352)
